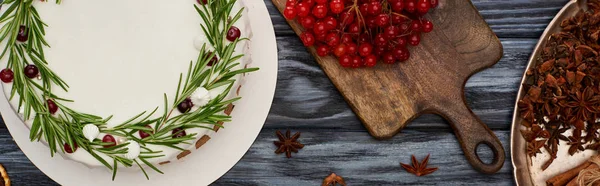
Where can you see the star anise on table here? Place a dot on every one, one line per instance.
(419, 169)
(333, 180)
(287, 143)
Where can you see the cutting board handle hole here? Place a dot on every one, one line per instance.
(485, 153)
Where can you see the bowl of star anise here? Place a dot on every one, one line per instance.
(556, 122)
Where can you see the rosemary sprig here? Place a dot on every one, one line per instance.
(66, 127)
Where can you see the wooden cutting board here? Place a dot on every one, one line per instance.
(387, 97)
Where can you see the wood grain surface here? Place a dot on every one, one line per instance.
(306, 101)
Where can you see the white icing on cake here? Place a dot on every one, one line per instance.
(120, 57)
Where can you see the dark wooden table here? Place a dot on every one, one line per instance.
(336, 141)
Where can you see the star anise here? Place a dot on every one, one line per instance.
(333, 180)
(288, 143)
(533, 148)
(419, 169)
(584, 103)
(575, 142)
(526, 109)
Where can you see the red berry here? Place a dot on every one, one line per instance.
(347, 17)
(380, 40)
(322, 50)
(365, 49)
(233, 33)
(144, 134)
(340, 50)
(202, 2)
(290, 3)
(303, 9)
(414, 39)
(379, 51)
(357, 62)
(321, 36)
(401, 41)
(52, 107)
(109, 139)
(319, 11)
(427, 26)
(330, 22)
(434, 3)
(185, 106)
(382, 20)
(354, 28)
(321, 1)
(374, 8)
(391, 32)
(389, 58)
(346, 38)
(23, 34)
(372, 22)
(7, 75)
(308, 39)
(410, 6)
(336, 6)
(332, 39)
(214, 60)
(415, 26)
(68, 148)
(351, 48)
(423, 6)
(397, 6)
(178, 133)
(404, 28)
(364, 9)
(370, 60)
(320, 28)
(31, 71)
(345, 61)
(397, 19)
(401, 53)
(289, 13)
(307, 22)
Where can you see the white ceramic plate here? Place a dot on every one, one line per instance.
(204, 165)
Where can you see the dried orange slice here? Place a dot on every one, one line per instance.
(4, 181)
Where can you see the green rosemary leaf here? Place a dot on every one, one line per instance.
(100, 159)
(145, 129)
(9, 11)
(219, 84)
(131, 119)
(114, 174)
(179, 84)
(150, 165)
(144, 171)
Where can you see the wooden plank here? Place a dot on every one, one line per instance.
(20, 170)
(508, 18)
(361, 160)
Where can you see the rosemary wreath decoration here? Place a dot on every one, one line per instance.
(23, 31)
